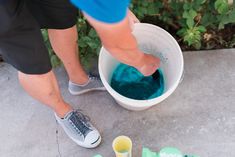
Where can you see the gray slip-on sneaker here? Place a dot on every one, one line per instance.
(79, 128)
(94, 83)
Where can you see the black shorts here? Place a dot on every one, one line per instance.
(21, 42)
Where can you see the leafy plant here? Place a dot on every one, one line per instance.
(196, 24)
(226, 13)
(88, 42)
(191, 19)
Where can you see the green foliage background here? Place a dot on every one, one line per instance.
(196, 24)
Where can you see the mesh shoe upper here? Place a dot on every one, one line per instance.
(94, 83)
(79, 128)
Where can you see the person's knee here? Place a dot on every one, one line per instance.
(22, 76)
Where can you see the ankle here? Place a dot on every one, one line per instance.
(62, 110)
(80, 81)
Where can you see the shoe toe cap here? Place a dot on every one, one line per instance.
(93, 138)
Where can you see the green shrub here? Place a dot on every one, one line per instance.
(192, 19)
(88, 42)
(196, 24)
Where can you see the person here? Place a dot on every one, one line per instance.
(21, 45)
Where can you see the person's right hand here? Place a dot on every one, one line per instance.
(148, 64)
(120, 42)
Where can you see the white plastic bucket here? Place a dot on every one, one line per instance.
(154, 40)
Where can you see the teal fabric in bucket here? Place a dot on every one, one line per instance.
(129, 82)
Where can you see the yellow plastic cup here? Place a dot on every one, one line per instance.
(122, 146)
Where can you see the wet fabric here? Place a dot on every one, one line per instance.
(129, 82)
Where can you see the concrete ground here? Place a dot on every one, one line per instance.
(198, 118)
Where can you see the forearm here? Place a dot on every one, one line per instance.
(119, 41)
(126, 50)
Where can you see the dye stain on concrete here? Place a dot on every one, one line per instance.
(129, 82)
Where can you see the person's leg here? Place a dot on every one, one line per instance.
(60, 18)
(44, 88)
(22, 46)
(64, 43)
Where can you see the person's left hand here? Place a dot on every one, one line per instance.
(132, 19)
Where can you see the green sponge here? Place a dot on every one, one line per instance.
(98, 155)
(148, 153)
(165, 152)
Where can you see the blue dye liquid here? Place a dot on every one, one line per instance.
(129, 82)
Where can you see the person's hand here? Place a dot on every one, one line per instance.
(121, 44)
(148, 64)
(132, 19)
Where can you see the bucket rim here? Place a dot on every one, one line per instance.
(142, 103)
